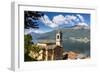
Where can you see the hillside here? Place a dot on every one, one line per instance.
(73, 39)
(67, 33)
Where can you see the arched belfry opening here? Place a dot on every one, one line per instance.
(59, 38)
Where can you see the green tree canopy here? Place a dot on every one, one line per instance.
(27, 41)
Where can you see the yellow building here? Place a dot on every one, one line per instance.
(51, 51)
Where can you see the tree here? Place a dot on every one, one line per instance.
(27, 42)
(30, 19)
(36, 48)
(27, 47)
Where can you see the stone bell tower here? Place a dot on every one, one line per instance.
(59, 38)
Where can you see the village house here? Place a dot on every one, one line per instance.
(72, 55)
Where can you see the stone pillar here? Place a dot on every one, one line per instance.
(46, 54)
(52, 58)
(42, 55)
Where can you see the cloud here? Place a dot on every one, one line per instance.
(70, 17)
(38, 31)
(81, 18)
(55, 22)
(66, 20)
(82, 24)
(27, 31)
(45, 19)
(59, 19)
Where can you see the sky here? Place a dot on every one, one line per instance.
(57, 20)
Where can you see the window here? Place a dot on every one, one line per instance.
(57, 36)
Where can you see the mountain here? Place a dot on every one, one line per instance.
(78, 26)
(73, 40)
(35, 36)
(67, 32)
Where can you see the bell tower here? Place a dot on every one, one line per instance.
(59, 38)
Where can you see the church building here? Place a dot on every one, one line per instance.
(52, 51)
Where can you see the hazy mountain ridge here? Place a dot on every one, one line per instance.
(79, 33)
(73, 40)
